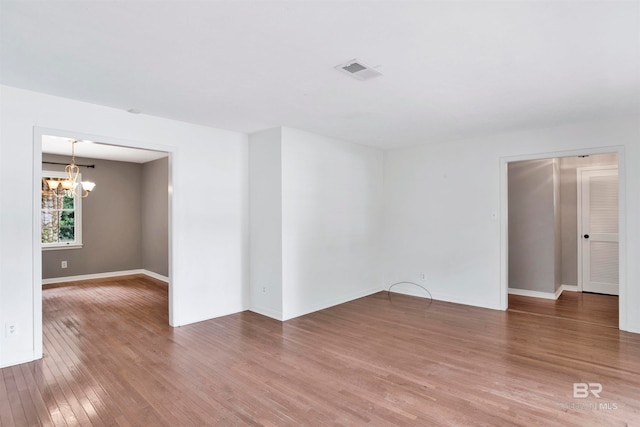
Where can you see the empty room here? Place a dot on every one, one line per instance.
(281, 213)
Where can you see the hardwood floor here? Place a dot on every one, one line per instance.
(581, 306)
(111, 359)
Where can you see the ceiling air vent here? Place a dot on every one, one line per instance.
(358, 70)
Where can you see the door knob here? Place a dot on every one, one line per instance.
(586, 236)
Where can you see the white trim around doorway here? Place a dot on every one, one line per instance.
(622, 218)
(38, 133)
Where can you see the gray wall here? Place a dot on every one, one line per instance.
(533, 225)
(155, 219)
(112, 221)
(557, 226)
(569, 212)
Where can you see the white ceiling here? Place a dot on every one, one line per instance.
(94, 150)
(452, 69)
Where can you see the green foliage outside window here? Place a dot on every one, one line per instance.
(58, 216)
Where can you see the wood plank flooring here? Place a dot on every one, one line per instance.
(581, 306)
(111, 359)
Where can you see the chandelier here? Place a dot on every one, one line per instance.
(69, 184)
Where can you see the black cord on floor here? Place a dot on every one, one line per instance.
(410, 283)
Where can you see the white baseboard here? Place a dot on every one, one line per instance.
(536, 294)
(545, 295)
(633, 327)
(104, 276)
(267, 312)
(570, 288)
(301, 311)
(157, 276)
(436, 295)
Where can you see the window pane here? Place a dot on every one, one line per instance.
(50, 225)
(49, 218)
(67, 202)
(67, 219)
(50, 201)
(49, 235)
(67, 234)
(58, 226)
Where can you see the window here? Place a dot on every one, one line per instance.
(61, 215)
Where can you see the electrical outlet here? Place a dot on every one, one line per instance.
(264, 289)
(423, 276)
(11, 329)
(63, 264)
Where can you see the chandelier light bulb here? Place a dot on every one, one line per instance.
(88, 186)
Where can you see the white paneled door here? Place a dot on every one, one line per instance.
(599, 230)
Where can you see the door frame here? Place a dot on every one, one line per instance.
(38, 133)
(579, 210)
(622, 220)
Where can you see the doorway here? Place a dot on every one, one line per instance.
(110, 146)
(568, 276)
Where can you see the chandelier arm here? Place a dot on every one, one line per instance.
(69, 185)
(82, 194)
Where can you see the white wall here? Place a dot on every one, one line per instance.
(438, 204)
(209, 216)
(439, 200)
(331, 221)
(315, 221)
(265, 222)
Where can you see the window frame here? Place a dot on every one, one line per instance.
(77, 203)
